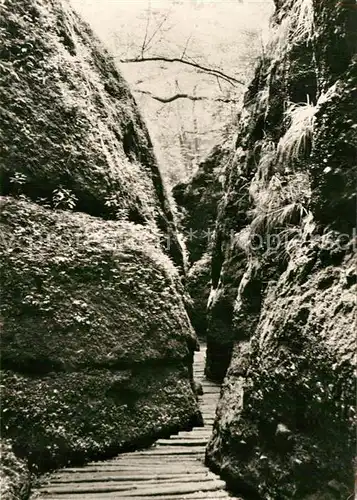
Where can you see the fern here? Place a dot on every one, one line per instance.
(282, 216)
(64, 199)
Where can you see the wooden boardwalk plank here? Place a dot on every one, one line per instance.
(170, 469)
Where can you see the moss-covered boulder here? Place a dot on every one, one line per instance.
(71, 131)
(96, 343)
(97, 347)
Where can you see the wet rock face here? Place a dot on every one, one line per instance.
(283, 268)
(96, 346)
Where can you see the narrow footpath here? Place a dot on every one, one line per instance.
(170, 469)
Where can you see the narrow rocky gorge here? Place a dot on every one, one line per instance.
(100, 318)
(281, 317)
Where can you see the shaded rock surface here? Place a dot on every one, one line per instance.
(97, 347)
(14, 475)
(69, 121)
(198, 201)
(198, 286)
(282, 307)
(292, 385)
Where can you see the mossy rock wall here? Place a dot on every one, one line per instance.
(69, 120)
(292, 383)
(281, 317)
(97, 347)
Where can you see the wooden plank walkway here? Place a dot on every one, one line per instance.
(170, 469)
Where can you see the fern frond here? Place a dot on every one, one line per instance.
(294, 28)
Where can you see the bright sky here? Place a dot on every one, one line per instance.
(221, 34)
(212, 22)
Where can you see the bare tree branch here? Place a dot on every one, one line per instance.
(186, 46)
(158, 28)
(220, 77)
(166, 100)
(212, 71)
(143, 47)
(205, 132)
(174, 97)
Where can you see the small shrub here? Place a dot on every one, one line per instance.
(18, 179)
(113, 203)
(64, 199)
(303, 16)
(14, 475)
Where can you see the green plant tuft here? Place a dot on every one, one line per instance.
(298, 138)
(64, 199)
(280, 202)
